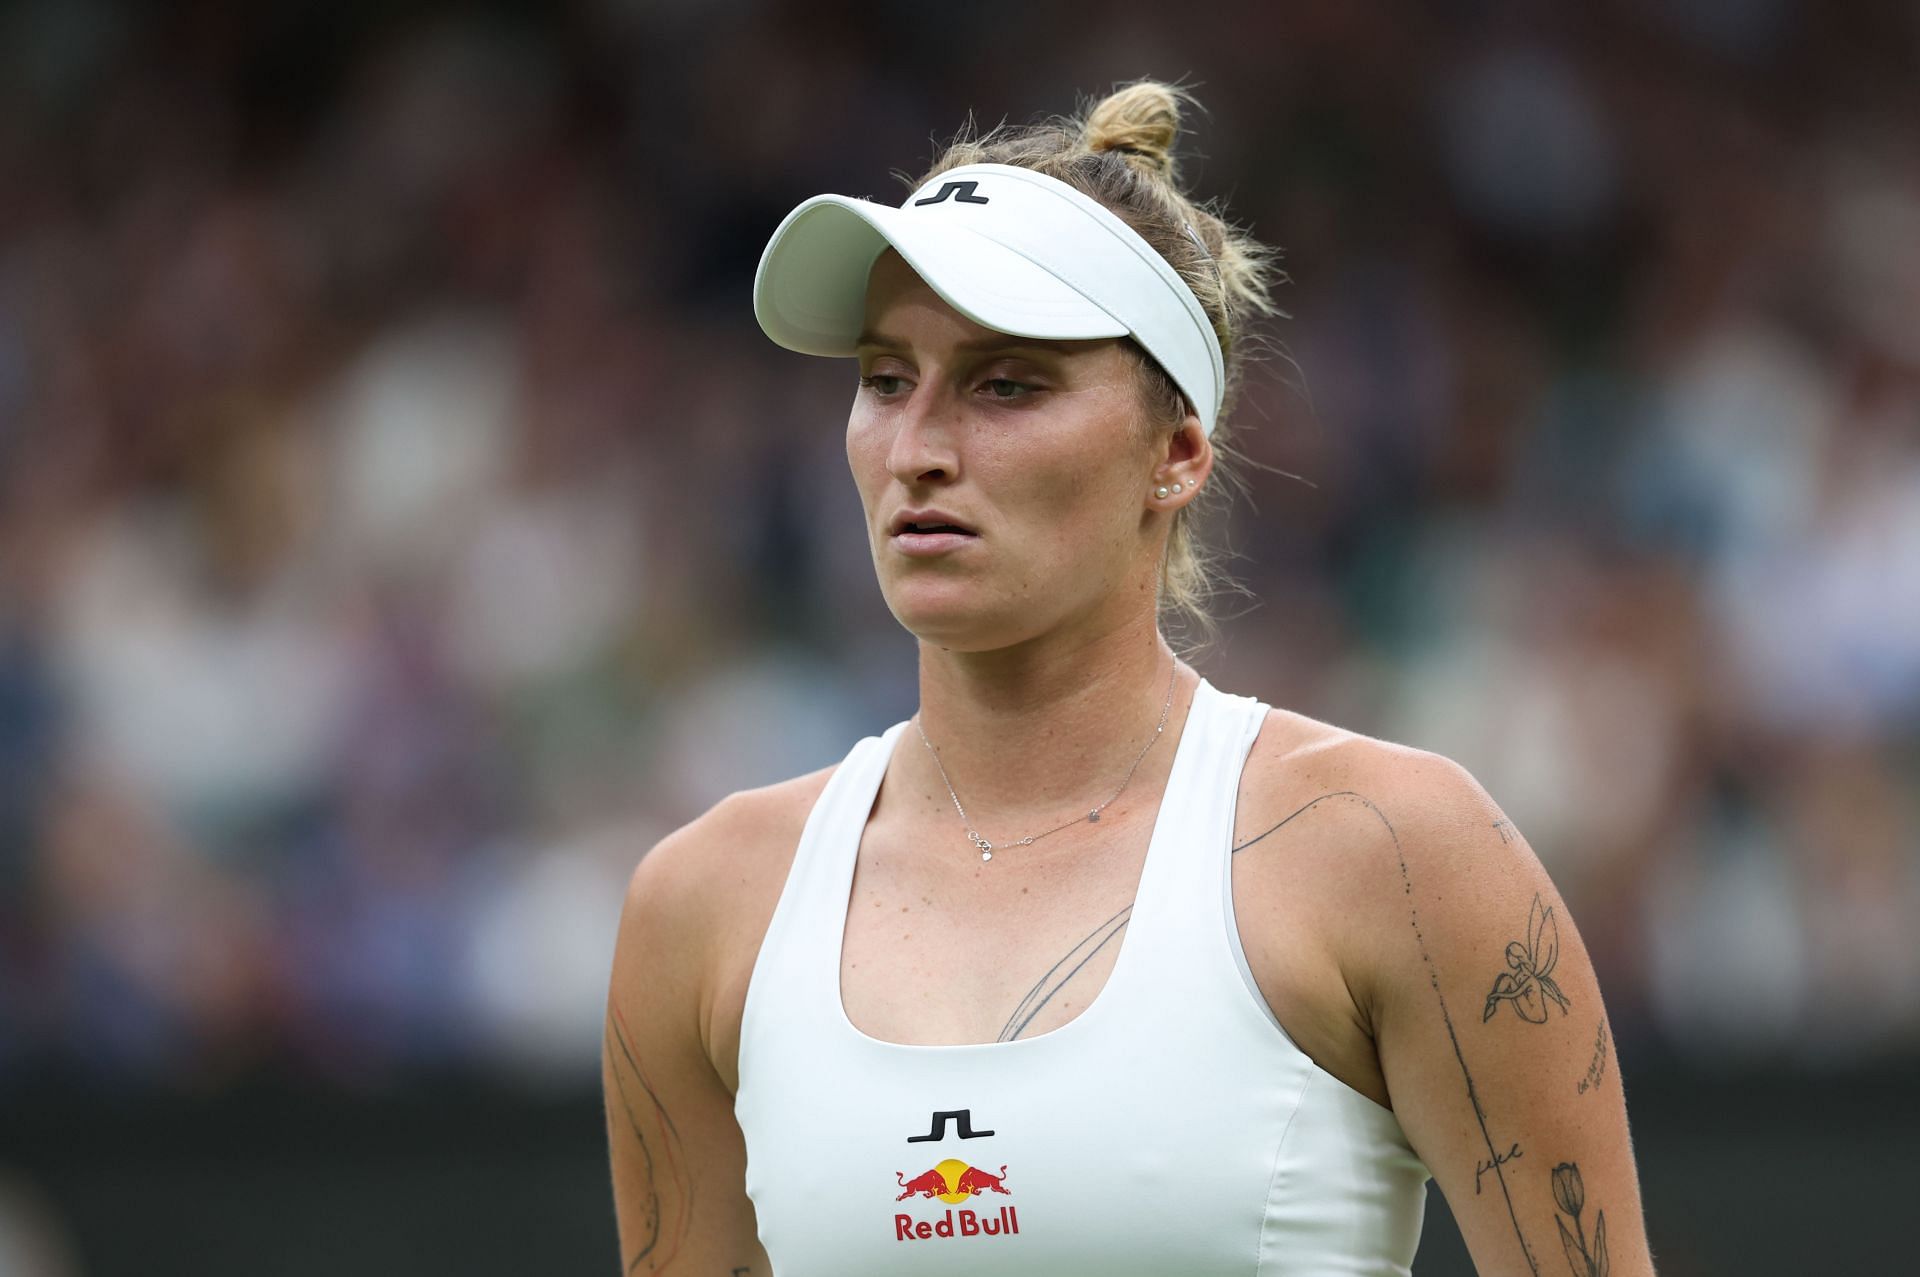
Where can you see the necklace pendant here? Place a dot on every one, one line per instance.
(986, 855)
(1093, 817)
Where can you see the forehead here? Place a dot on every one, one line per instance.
(903, 308)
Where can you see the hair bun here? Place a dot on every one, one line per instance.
(1141, 120)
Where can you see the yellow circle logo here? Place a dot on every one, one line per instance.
(951, 1170)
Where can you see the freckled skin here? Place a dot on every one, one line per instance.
(1054, 476)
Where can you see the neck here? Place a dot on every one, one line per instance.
(1028, 734)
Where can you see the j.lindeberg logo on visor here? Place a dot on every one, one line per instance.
(962, 192)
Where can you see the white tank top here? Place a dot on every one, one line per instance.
(1170, 1128)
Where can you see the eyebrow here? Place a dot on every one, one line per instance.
(975, 345)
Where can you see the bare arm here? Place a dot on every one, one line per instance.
(1492, 1037)
(678, 1160)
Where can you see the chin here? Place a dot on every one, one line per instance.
(959, 616)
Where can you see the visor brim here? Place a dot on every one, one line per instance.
(810, 291)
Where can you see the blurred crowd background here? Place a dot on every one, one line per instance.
(403, 522)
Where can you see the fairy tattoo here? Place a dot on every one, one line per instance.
(1528, 983)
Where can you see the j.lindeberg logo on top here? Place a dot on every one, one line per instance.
(962, 1120)
(962, 192)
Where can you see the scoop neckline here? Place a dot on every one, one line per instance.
(1123, 962)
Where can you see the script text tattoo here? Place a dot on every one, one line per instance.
(1597, 1067)
(1493, 1163)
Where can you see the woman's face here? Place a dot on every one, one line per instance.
(1006, 481)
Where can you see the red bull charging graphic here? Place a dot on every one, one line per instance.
(954, 1181)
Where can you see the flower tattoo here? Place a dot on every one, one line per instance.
(1571, 1196)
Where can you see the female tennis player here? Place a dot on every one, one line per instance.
(1088, 967)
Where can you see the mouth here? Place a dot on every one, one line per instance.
(928, 532)
(927, 523)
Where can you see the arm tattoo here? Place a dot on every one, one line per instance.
(1587, 1257)
(1056, 979)
(1278, 825)
(1494, 1156)
(1597, 1067)
(1528, 983)
(1493, 1163)
(660, 1238)
(1496, 1160)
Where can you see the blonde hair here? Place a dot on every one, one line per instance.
(1120, 151)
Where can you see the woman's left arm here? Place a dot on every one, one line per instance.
(1492, 1036)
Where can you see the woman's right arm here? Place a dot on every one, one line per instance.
(678, 1159)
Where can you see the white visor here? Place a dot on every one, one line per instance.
(1011, 249)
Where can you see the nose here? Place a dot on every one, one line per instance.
(923, 448)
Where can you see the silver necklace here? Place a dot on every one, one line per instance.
(986, 847)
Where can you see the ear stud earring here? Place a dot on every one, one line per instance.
(1161, 492)
(1176, 489)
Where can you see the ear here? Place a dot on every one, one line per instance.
(1185, 462)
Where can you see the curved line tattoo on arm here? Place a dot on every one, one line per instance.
(1446, 1018)
(1496, 1160)
(660, 1238)
(1284, 821)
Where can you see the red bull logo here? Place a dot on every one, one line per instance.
(953, 1181)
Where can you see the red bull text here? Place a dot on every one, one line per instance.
(960, 1223)
(954, 1181)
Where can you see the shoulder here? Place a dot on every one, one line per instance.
(668, 1055)
(698, 904)
(1385, 842)
(1406, 794)
(733, 837)
(695, 879)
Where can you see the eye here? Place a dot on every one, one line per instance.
(883, 384)
(1006, 388)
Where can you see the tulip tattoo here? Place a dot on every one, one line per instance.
(1528, 982)
(1570, 1194)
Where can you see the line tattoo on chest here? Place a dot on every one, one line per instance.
(1597, 1068)
(1048, 986)
(1057, 976)
(1527, 985)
